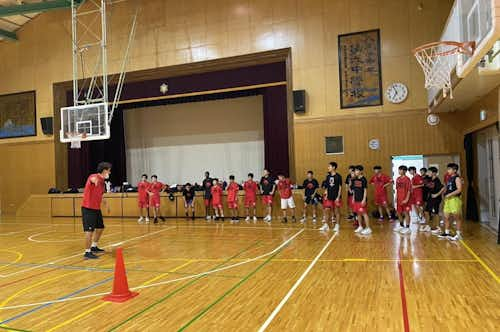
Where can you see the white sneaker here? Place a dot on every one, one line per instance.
(147, 220)
(366, 231)
(314, 219)
(421, 228)
(254, 219)
(423, 221)
(427, 228)
(457, 237)
(405, 230)
(208, 218)
(303, 220)
(247, 219)
(441, 222)
(436, 231)
(324, 228)
(397, 228)
(359, 229)
(336, 228)
(141, 220)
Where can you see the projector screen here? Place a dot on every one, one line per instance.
(180, 142)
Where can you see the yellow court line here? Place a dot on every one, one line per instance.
(353, 259)
(480, 261)
(18, 258)
(91, 310)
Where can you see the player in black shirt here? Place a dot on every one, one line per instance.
(267, 188)
(188, 194)
(311, 186)
(348, 178)
(359, 187)
(333, 200)
(434, 189)
(207, 195)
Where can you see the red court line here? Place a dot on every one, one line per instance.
(406, 322)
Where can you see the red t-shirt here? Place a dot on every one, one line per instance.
(232, 191)
(92, 194)
(216, 194)
(285, 188)
(142, 189)
(417, 180)
(380, 180)
(403, 187)
(155, 188)
(250, 188)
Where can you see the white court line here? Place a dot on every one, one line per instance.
(295, 286)
(80, 253)
(283, 244)
(32, 237)
(26, 230)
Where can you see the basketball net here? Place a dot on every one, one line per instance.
(76, 140)
(438, 60)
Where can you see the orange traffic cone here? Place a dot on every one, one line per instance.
(121, 292)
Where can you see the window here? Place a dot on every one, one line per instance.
(334, 145)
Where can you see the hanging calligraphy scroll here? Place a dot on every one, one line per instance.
(359, 69)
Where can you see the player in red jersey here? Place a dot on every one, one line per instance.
(232, 198)
(403, 193)
(216, 192)
(93, 223)
(417, 193)
(251, 187)
(142, 199)
(154, 190)
(381, 182)
(285, 189)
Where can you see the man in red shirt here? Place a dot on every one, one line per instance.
(232, 198)
(417, 193)
(142, 198)
(381, 182)
(251, 187)
(154, 190)
(93, 223)
(285, 190)
(216, 192)
(403, 192)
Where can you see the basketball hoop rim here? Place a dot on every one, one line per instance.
(466, 47)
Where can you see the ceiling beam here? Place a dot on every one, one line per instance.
(36, 7)
(8, 34)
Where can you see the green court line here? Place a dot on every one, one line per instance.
(3, 327)
(229, 291)
(179, 289)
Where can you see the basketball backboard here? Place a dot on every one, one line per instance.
(84, 123)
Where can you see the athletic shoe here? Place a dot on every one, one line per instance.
(236, 219)
(427, 228)
(90, 255)
(457, 237)
(441, 222)
(303, 220)
(141, 220)
(405, 230)
(314, 220)
(397, 228)
(366, 231)
(444, 235)
(254, 219)
(350, 217)
(324, 228)
(436, 231)
(247, 219)
(336, 228)
(359, 229)
(421, 228)
(162, 219)
(155, 220)
(381, 219)
(285, 220)
(208, 217)
(294, 219)
(147, 220)
(192, 218)
(423, 221)
(96, 249)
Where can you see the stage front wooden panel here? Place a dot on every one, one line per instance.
(125, 205)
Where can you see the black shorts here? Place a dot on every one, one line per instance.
(91, 219)
(311, 200)
(433, 205)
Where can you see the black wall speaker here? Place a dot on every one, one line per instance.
(47, 125)
(299, 101)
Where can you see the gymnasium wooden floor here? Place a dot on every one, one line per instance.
(220, 277)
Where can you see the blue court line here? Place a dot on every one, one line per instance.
(49, 304)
